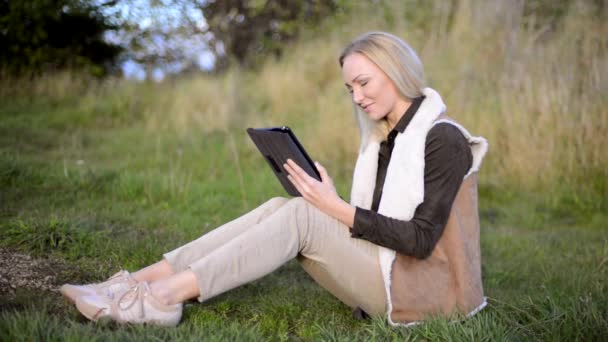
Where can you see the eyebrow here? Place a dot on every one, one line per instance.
(354, 79)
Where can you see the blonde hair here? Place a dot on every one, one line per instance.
(396, 59)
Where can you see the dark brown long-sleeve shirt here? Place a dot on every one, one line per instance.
(447, 160)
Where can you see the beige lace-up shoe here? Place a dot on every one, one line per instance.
(136, 305)
(117, 283)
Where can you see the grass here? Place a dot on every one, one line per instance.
(110, 174)
(119, 197)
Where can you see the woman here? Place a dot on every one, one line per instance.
(407, 245)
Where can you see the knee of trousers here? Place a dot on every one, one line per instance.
(302, 212)
(300, 205)
(275, 202)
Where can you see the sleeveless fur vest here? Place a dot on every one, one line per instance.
(448, 281)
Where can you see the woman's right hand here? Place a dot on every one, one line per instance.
(323, 194)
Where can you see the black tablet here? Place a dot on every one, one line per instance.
(277, 144)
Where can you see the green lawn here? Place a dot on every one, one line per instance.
(92, 194)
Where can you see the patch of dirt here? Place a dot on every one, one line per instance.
(22, 271)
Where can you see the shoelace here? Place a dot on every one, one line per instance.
(138, 292)
(121, 274)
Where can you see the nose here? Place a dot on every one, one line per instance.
(357, 95)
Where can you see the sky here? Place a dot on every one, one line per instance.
(173, 29)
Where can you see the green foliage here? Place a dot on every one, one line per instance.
(52, 236)
(46, 35)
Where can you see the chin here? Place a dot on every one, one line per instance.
(376, 116)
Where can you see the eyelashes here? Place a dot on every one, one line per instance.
(362, 84)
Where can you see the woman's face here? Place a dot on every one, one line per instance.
(371, 89)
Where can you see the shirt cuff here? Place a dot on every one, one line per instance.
(363, 223)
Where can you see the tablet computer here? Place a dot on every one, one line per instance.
(277, 144)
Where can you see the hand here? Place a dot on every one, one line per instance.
(323, 194)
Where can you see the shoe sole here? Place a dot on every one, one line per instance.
(86, 311)
(95, 314)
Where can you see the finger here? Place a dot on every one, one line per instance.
(295, 177)
(297, 186)
(292, 172)
(296, 167)
(324, 176)
(300, 172)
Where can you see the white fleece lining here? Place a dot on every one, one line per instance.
(479, 145)
(364, 178)
(403, 188)
(470, 314)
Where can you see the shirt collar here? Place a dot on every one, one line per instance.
(409, 114)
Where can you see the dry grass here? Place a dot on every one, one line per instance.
(108, 174)
(536, 92)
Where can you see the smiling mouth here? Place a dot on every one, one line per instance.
(366, 107)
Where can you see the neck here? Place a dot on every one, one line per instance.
(397, 113)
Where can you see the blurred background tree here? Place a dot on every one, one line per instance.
(174, 36)
(154, 38)
(160, 36)
(49, 35)
(249, 30)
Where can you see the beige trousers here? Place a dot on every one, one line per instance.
(262, 240)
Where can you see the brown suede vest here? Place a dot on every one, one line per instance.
(448, 282)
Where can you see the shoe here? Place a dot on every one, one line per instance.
(117, 283)
(136, 305)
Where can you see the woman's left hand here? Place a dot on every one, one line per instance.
(323, 194)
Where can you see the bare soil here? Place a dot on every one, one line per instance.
(22, 271)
